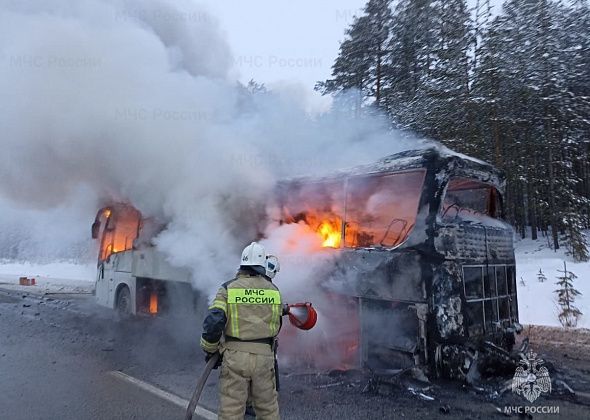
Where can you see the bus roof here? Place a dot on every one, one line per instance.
(438, 158)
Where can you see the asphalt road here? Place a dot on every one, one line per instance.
(54, 366)
(64, 357)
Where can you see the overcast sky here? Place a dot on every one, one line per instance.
(280, 40)
(286, 41)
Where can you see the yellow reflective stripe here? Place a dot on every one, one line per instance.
(234, 326)
(253, 296)
(274, 323)
(218, 304)
(209, 347)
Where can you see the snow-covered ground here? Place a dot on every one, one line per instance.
(537, 301)
(57, 277)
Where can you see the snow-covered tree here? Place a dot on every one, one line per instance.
(566, 296)
(359, 65)
(410, 61)
(450, 117)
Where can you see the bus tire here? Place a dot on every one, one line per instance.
(124, 303)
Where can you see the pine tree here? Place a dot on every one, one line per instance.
(360, 61)
(481, 20)
(574, 24)
(351, 70)
(379, 16)
(447, 91)
(409, 62)
(575, 239)
(566, 296)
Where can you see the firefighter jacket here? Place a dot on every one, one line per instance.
(247, 308)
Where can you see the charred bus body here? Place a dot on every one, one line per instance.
(423, 259)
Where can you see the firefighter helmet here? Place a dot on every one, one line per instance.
(272, 266)
(254, 255)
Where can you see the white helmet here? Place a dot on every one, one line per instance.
(254, 255)
(272, 266)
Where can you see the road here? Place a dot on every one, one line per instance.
(63, 357)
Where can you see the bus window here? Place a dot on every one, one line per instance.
(320, 206)
(466, 197)
(381, 209)
(103, 234)
(120, 227)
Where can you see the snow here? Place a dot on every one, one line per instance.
(57, 277)
(537, 301)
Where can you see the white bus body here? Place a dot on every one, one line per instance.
(132, 275)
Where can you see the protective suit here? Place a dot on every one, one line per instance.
(242, 324)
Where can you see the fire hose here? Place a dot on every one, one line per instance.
(192, 405)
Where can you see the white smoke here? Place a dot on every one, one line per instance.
(138, 101)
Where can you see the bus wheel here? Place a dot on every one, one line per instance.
(124, 303)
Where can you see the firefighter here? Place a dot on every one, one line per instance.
(242, 324)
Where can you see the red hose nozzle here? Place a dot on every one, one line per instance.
(302, 315)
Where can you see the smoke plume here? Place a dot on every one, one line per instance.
(136, 101)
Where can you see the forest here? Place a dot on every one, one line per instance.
(508, 86)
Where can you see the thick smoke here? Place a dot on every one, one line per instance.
(138, 101)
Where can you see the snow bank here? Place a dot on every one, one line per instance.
(56, 270)
(537, 301)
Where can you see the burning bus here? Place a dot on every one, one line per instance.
(133, 277)
(423, 262)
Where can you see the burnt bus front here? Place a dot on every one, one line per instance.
(422, 259)
(473, 297)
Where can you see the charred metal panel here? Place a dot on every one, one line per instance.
(500, 245)
(380, 275)
(389, 334)
(393, 303)
(475, 243)
(447, 307)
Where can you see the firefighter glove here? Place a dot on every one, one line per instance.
(208, 356)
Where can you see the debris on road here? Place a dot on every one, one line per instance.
(445, 409)
(421, 395)
(330, 385)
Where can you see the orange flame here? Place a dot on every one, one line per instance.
(154, 303)
(330, 233)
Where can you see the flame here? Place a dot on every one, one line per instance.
(330, 233)
(154, 303)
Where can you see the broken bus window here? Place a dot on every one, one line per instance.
(119, 227)
(381, 210)
(320, 205)
(468, 197)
